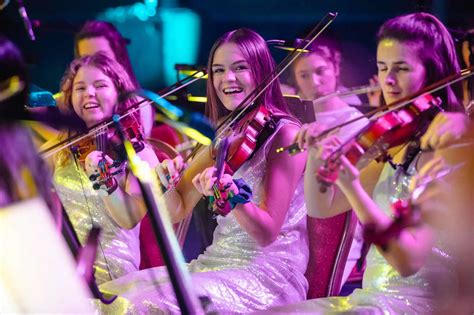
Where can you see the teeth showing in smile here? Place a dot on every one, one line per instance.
(232, 90)
(91, 105)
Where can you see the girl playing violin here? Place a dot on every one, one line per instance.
(91, 93)
(259, 251)
(316, 74)
(398, 270)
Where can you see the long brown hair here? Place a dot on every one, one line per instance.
(256, 53)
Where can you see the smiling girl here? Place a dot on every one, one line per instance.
(259, 251)
(398, 273)
(91, 86)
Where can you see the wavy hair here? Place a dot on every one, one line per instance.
(111, 68)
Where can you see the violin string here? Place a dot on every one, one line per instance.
(267, 81)
(352, 91)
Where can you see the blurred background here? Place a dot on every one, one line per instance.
(163, 33)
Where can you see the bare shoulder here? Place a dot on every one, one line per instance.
(285, 136)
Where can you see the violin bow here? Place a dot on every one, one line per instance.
(131, 110)
(464, 74)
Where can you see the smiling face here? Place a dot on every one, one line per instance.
(400, 71)
(231, 74)
(315, 76)
(94, 96)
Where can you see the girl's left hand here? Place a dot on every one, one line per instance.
(92, 162)
(93, 171)
(307, 133)
(205, 181)
(348, 174)
(444, 129)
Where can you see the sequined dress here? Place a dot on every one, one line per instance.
(237, 274)
(118, 251)
(384, 290)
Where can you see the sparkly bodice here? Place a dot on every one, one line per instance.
(379, 275)
(237, 248)
(118, 251)
(384, 290)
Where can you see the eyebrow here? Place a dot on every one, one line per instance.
(96, 81)
(232, 64)
(311, 70)
(395, 63)
(303, 71)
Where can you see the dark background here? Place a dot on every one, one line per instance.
(355, 28)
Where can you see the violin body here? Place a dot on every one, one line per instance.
(108, 142)
(248, 133)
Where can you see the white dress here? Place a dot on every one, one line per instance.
(237, 274)
(118, 251)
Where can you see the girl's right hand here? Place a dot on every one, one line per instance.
(322, 150)
(307, 133)
(348, 174)
(169, 171)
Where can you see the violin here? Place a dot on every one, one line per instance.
(250, 124)
(107, 141)
(465, 73)
(233, 150)
(247, 135)
(388, 131)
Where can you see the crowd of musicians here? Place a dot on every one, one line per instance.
(267, 182)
